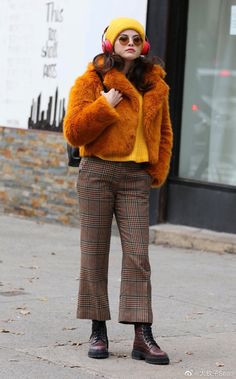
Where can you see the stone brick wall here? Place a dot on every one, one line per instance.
(35, 179)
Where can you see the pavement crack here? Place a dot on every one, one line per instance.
(56, 363)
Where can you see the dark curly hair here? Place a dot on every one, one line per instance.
(136, 74)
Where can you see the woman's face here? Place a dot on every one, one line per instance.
(128, 45)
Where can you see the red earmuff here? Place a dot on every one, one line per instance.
(146, 48)
(107, 46)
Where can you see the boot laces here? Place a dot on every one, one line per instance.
(99, 331)
(147, 332)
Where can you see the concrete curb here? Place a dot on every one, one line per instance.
(192, 238)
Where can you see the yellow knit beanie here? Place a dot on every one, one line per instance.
(119, 24)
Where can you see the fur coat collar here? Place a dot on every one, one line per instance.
(152, 99)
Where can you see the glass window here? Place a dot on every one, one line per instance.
(208, 133)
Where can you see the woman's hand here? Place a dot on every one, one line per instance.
(113, 97)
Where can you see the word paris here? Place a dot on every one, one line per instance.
(50, 48)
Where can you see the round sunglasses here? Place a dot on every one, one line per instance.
(124, 40)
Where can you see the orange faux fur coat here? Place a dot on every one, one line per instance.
(91, 122)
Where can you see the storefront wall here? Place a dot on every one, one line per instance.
(35, 180)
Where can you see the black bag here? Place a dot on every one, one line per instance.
(74, 157)
(73, 153)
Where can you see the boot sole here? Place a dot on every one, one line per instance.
(155, 361)
(102, 355)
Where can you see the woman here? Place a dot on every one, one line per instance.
(125, 141)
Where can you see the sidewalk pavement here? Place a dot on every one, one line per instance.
(194, 308)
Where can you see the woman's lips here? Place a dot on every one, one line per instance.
(133, 50)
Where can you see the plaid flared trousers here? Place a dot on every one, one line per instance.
(107, 188)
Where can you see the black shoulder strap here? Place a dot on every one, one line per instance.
(105, 89)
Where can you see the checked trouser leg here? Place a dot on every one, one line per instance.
(132, 215)
(96, 202)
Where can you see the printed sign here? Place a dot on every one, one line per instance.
(45, 45)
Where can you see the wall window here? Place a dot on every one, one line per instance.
(208, 133)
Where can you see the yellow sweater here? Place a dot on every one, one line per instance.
(140, 151)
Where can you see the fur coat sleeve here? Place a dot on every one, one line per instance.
(160, 170)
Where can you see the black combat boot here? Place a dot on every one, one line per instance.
(145, 347)
(98, 340)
